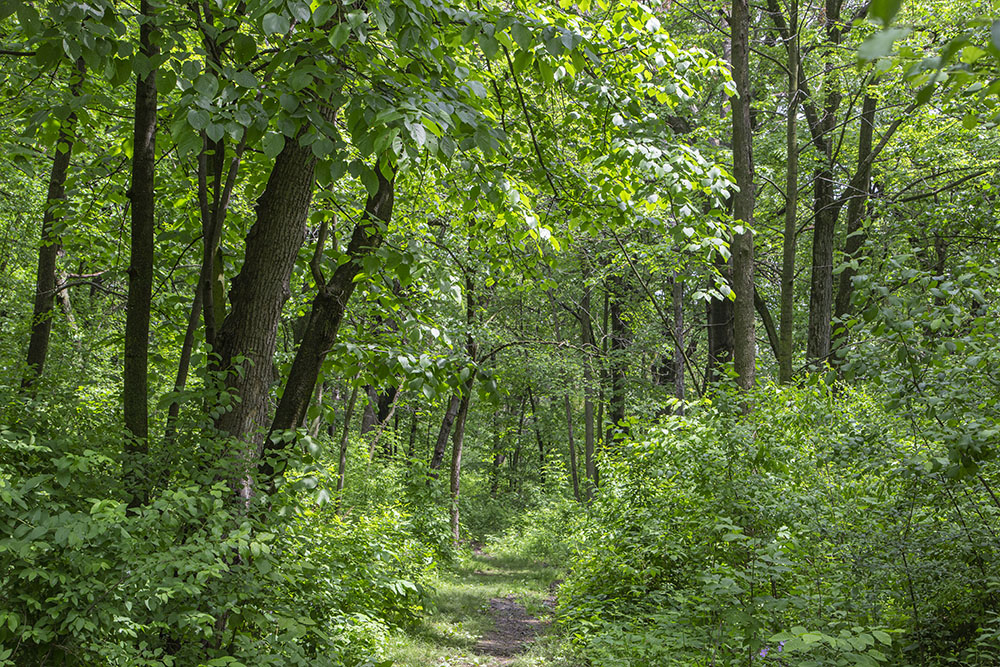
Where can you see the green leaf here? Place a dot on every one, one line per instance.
(198, 119)
(244, 48)
(879, 45)
(273, 144)
(245, 78)
(339, 35)
(276, 24)
(215, 131)
(884, 10)
(522, 35)
(882, 636)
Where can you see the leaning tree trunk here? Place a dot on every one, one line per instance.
(441, 444)
(326, 315)
(48, 249)
(458, 438)
(135, 390)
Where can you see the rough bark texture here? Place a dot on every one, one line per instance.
(825, 211)
(135, 389)
(858, 191)
(247, 337)
(786, 317)
(744, 321)
(327, 313)
(441, 444)
(719, 314)
(48, 248)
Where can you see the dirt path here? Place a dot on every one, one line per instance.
(514, 629)
(487, 612)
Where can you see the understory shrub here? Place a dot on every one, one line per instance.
(809, 533)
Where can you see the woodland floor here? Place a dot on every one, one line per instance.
(486, 611)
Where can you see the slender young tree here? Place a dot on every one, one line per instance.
(46, 282)
(787, 315)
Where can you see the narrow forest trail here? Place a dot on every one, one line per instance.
(487, 611)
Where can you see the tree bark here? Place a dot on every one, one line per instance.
(49, 246)
(744, 320)
(786, 318)
(677, 301)
(437, 458)
(248, 335)
(858, 193)
(617, 361)
(719, 315)
(135, 389)
(327, 313)
(825, 211)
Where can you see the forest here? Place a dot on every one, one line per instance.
(439, 333)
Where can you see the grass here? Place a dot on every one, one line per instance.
(459, 614)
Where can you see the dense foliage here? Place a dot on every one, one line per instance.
(697, 301)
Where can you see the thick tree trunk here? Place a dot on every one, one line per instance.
(744, 320)
(259, 292)
(786, 318)
(49, 247)
(826, 211)
(135, 389)
(327, 313)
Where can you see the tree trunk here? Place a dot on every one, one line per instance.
(590, 349)
(442, 440)
(135, 389)
(327, 313)
(572, 448)
(48, 248)
(342, 463)
(826, 211)
(787, 316)
(744, 320)
(858, 194)
(258, 294)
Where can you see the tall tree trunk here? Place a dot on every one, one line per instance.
(786, 331)
(135, 389)
(744, 319)
(572, 447)
(825, 210)
(472, 349)
(258, 294)
(858, 193)
(49, 246)
(538, 433)
(327, 313)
